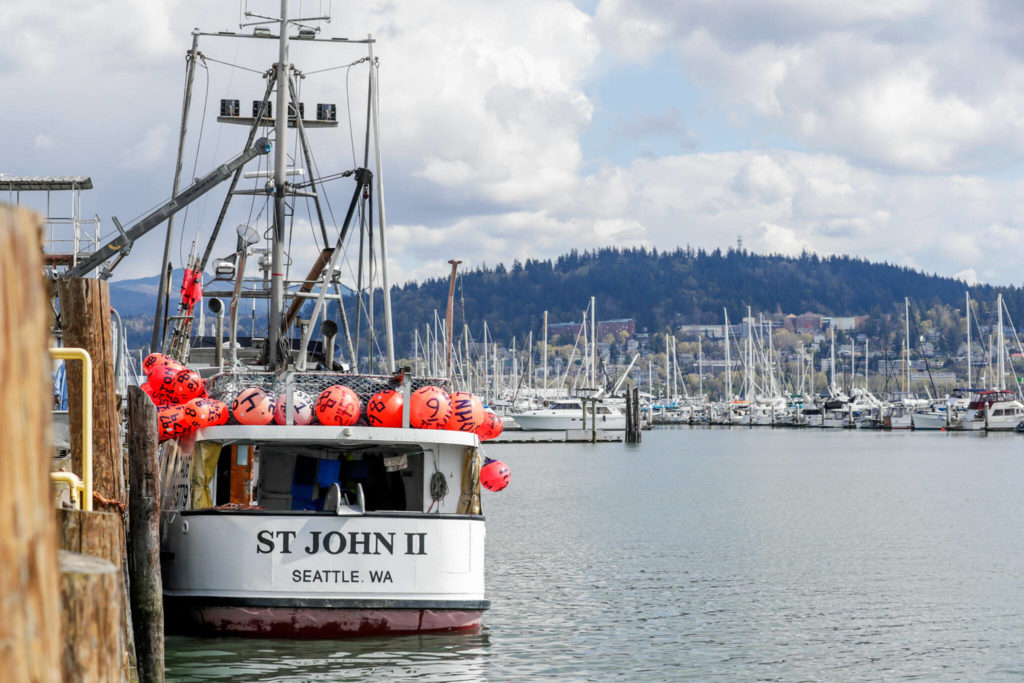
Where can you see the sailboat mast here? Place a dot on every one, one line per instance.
(593, 339)
(545, 353)
(1000, 344)
(906, 338)
(967, 309)
(832, 355)
(728, 359)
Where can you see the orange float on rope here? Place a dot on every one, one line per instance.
(302, 408)
(491, 427)
(253, 406)
(339, 406)
(495, 475)
(467, 412)
(384, 409)
(429, 408)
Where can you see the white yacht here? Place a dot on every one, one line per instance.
(569, 414)
(993, 410)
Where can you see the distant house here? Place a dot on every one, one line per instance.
(604, 327)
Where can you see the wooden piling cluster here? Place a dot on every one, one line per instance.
(66, 615)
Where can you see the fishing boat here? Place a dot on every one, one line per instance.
(319, 504)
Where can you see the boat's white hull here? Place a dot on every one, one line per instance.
(551, 421)
(930, 420)
(322, 575)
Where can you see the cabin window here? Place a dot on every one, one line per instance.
(296, 477)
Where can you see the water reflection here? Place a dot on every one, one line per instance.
(435, 657)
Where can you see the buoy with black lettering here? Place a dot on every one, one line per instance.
(384, 409)
(253, 406)
(494, 475)
(429, 408)
(491, 427)
(302, 408)
(467, 412)
(339, 406)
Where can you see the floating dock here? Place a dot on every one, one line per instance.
(558, 436)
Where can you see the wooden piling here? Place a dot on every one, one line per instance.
(30, 642)
(85, 323)
(144, 536)
(91, 597)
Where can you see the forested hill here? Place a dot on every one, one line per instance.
(676, 287)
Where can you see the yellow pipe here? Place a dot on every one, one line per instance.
(66, 353)
(76, 485)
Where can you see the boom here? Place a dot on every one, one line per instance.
(123, 243)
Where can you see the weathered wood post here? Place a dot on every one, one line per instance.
(144, 536)
(85, 323)
(30, 629)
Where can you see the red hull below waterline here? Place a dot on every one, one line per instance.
(304, 622)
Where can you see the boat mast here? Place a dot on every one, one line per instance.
(593, 339)
(545, 354)
(967, 310)
(1000, 343)
(280, 161)
(728, 359)
(906, 322)
(157, 341)
(381, 221)
(832, 356)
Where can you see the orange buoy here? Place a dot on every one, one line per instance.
(384, 409)
(161, 381)
(495, 475)
(198, 413)
(155, 360)
(171, 422)
(491, 427)
(467, 412)
(253, 406)
(219, 412)
(339, 406)
(187, 385)
(429, 408)
(302, 408)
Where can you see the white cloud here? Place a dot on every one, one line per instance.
(484, 108)
(968, 276)
(916, 85)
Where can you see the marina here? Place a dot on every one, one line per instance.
(743, 554)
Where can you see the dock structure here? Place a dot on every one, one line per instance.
(558, 436)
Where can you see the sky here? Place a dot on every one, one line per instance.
(884, 129)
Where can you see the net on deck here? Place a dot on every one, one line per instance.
(225, 387)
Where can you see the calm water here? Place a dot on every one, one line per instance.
(736, 554)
